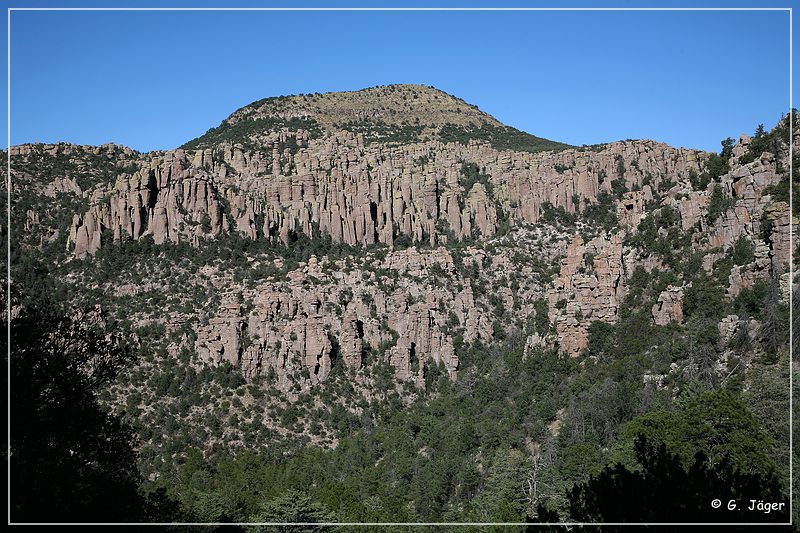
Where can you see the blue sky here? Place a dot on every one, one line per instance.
(153, 80)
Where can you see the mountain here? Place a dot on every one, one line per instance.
(392, 283)
(386, 114)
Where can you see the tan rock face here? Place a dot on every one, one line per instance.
(734, 223)
(747, 183)
(361, 194)
(296, 330)
(691, 208)
(631, 209)
(85, 234)
(741, 147)
(62, 185)
(589, 287)
(744, 276)
(219, 340)
(533, 342)
(669, 307)
(781, 249)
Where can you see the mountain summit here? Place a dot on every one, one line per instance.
(391, 113)
(391, 104)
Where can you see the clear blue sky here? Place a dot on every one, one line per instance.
(153, 80)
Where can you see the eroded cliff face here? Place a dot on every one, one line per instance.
(669, 307)
(589, 287)
(418, 305)
(324, 315)
(364, 194)
(408, 306)
(750, 206)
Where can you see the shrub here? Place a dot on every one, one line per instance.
(718, 204)
(500, 137)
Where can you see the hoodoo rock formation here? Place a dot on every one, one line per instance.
(293, 329)
(433, 192)
(589, 287)
(362, 195)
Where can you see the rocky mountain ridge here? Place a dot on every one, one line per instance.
(599, 214)
(362, 195)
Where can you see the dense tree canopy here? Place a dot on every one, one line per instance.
(70, 460)
(664, 490)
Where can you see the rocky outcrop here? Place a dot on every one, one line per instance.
(740, 148)
(734, 223)
(728, 327)
(631, 209)
(669, 307)
(84, 234)
(171, 201)
(779, 216)
(692, 207)
(62, 185)
(535, 342)
(745, 276)
(363, 194)
(747, 183)
(283, 337)
(420, 343)
(590, 287)
(219, 339)
(297, 331)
